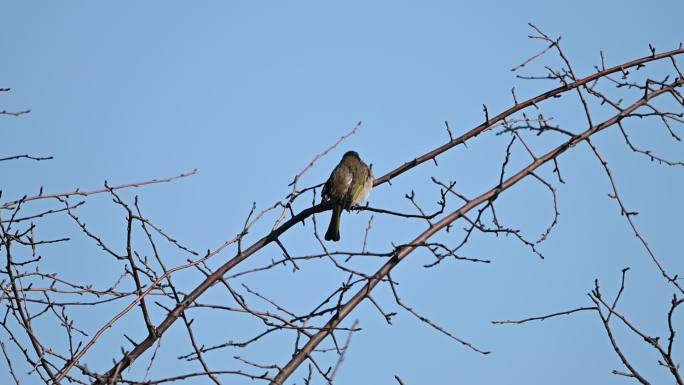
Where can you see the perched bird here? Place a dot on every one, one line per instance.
(349, 184)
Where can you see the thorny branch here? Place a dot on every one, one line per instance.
(604, 310)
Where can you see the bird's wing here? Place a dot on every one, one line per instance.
(348, 180)
(365, 190)
(360, 184)
(337, 185)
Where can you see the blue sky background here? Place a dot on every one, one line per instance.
(249, 92)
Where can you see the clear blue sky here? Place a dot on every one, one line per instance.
(250, 92)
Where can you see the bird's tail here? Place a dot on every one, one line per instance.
(333, 233)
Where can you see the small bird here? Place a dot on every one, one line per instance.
(349, 184)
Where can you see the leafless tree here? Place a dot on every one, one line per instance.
(147, 289)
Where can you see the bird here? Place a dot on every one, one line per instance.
(349, 185)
